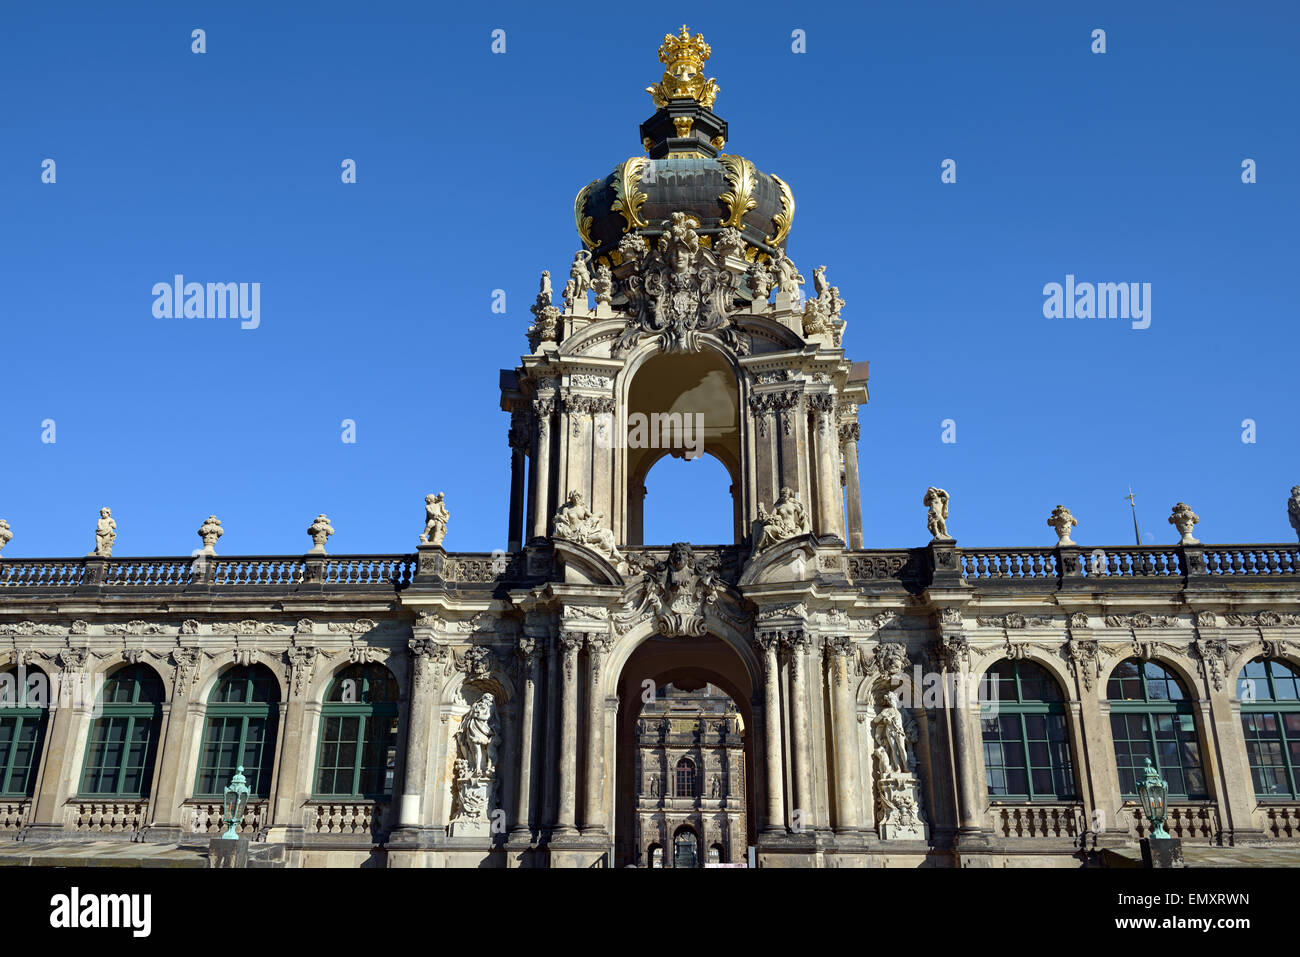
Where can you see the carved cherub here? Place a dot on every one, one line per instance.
(936, 500)
(5, 534)
(105, 534)
(1293, 508)
(436, 518)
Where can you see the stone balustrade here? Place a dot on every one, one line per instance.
(1252, 559)
(1279, 821)
(106, 818)
(1009, 563)
(1037, 820)
(361, 819)
(207, 818)
(13, 815)
(1195, 823)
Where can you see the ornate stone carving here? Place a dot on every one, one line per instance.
(478, 662)
(6, 534)
(209, 532)
(1140, 620)
(546, 326)
(680, 291)
(1292, 509)
(729, 244)
(1062, 521)
(186, 661)
(787, 519)
(475, 768)
(759, 282)
(436, 518)
(1084, 660)
(603, 285)
(1212, 653)
(320, 530)
(679, 591)
(136, 627)
(1078, 620)
(249, 626)
(1263, 619)
(105, 534)
(786, 274)
(889, 659)
(897, 790)
(301, 661)
(1184, 519)
(575, 522)
(936, 500)
(1014, 621)
(580, 276)
(781, 403)
(571, 643)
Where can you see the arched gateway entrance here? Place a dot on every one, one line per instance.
(684, 748)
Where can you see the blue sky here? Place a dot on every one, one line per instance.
(376, 297)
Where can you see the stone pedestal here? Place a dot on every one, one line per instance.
(228, 853)
(1162, 852)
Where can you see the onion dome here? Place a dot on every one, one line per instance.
(684, 171)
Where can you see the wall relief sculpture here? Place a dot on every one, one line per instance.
(475, 769)
(899, 813)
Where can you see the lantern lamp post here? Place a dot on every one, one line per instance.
(235, 802)
(1152, 792)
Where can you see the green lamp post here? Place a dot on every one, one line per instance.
(235, 802)
(1152, 791)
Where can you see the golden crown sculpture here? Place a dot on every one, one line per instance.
(685, 56)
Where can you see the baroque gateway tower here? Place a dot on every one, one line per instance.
(791, 698)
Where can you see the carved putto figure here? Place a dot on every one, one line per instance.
(436, 518)
(320, 530)
(105, 534)
(1184, 519)
(788, 278)
(5, 534)
(209, 532)
(575, 522)
(936, 500)
(1293, 508)
(569, 296)
(1062, 521)
(787, 519)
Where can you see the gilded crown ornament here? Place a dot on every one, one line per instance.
(685, 56)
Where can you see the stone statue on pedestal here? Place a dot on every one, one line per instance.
(5, 534)
(475, 768)
(1293, 508)
(897, 789)
(1062, 521)
(575, 522)
(936, 500)
(787, 519)
(105, 534)
(436, 518)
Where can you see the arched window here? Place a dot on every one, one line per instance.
(686, 848)
(358, 735)
(1151, 717)
(656, 856)
(243, 713)
(1270, 716)
(24, 714)
(685, 778)
(1026, 741)
(716, 855)
(124, 738)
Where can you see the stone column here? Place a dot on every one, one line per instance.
(518, 438)
(544, 409)
(839, 656)
(849, 435)
(570, 643)
(291, 780)
(551, 761)
(830, 503)
(65, 743)
(593, 814)
(424, 655)
(800, 756)
(529, 654)
(954, 654)
(767, 645)
(170, 792)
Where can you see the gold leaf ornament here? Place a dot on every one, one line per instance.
(741, 177)
(628, 198)
(785, 218)
(583, 223)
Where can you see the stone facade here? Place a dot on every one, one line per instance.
(502, 692)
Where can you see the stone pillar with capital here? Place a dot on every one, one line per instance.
(530, 648)
(840, 657)
(953, 652)
(519, 439)
(180, 715)
(292, 778)
(543, 411)
(64, 746)
(849, 434)
(830, 503)
(566, 819)
(425, 658)
(796, 645)
(767, 643)
(593, 816)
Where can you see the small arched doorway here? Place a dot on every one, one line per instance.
(686, 847)
(684, 753)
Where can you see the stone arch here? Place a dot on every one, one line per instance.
(106, 666)
(1052, 665)
(1248, 653)
(324, 677)
(717, 374)
(211, 673)
(1186, 675)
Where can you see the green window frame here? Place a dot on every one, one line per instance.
(1151, 716)
(1269, 691)
(242, 722)
(22, 733)
(123, 740)
(356, 757)
(1027, 755)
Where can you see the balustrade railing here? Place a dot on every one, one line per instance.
(1280, 821)
(1252, 559)
(1134, 561)
(1022, 563)
(107, 817)
(362, 819)
(1037, 820)
(1198, 823)
(41, 573)
(13, 815)
(207, 818)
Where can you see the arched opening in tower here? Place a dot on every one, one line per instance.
(683, 406)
